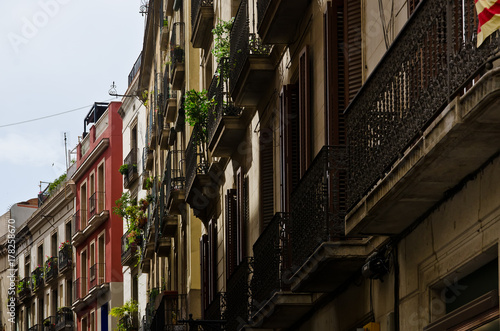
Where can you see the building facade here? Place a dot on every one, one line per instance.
(97, 230)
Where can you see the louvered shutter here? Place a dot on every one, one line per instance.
(204, 271)
(289, 131)
(304, 110)
(266, 175)
(352, 32)
(242, 202)
(212, 259)
(231, 232)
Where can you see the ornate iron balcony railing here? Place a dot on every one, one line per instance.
(36, 327)
(49, 324)
(239, 295)
(50, 268)
(175, 178)
(131, 162)
(196, 156)
(262, 6)
(135, 69)
(177, 45)
(96, 203)
(216, 311)
(65, 257)
(271, 260)
(37, 278)
(244, 42)
(318, 204)
(24, 287)
(195, 7)
(431, 61)
(64, 319)
(79, 220)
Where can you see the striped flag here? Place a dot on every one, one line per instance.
(488, 12)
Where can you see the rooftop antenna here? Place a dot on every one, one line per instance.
(65, 150)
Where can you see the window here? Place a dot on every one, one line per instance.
(92, 321)
(68, 231)
(83, 206)
(266, 174)
(100, 188)
(27, 266)
(40, 256)
(53, 245)
(100, 258)
(208, 246)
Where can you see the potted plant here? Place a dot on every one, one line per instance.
(123, 169)
(125, 315)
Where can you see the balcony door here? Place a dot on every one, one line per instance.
(100, 258)
(100, 187)
(83, 274)
(83, 206)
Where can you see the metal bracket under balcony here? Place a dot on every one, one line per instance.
(278, 19)
(282, 310)
(202, 23)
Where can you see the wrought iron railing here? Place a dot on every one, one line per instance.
(271, 260)
(80, 289)
(175, 178)
(177, 45)
(65, 257)
(51, 268)
(128, 248)
(196, 156)
(195, 7)
(216, 311)
(433, 59)
(175, 309)
(239, 295)
(64, 319)
(131, 162)
(318, 204)
(96, 275)
(96, 203)
(262, 6)
(244, 42)
(135, 69)
(219, 93)
(167, 90)
(79, 220)
(49, 324)
(36, 327)
(37, 278)
(24, 287)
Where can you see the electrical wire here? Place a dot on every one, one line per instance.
(49, 116)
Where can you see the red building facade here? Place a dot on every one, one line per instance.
(96, 230)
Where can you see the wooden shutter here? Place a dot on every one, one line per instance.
(231, 232)
(266, 175)
(289, 132)
(353, 54)
(304, 110)
(212, 259)
(242, 201)
(204, 271)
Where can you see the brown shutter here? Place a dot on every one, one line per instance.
(212, 259)
(266, 175)
(231, 231)
(352, 32)
(289, 131)
(304, 110)
(204, 271)
(242, 200)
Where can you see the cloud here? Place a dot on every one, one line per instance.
(37, 150)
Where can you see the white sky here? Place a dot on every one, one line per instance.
(55, 56)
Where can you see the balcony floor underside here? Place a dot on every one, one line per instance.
(462, 138)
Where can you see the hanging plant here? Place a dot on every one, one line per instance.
(196, 107)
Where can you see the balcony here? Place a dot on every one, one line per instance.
(238, 295)
(408, 154)
(49, 324)
(97, 215)
(202, 22)
(147, 158)
(175, 183)
(135, 69)
(276, 307)
(96, 276)
(163, 244)
(163, 131)
(129, 250)
(322, 257)
(131, 175)
(225, 126)
(170, 309)
(24, 288)
(37, 279)
(177, 56)
(170, 98)
(198, 181)
(130, 323)
(65, 258)
(51, 269)
(216, 311)
(80, 290)
(169, 7)
(36, 327)
(278, 19)
(64, 319)
(164, 27)
(252, 69)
